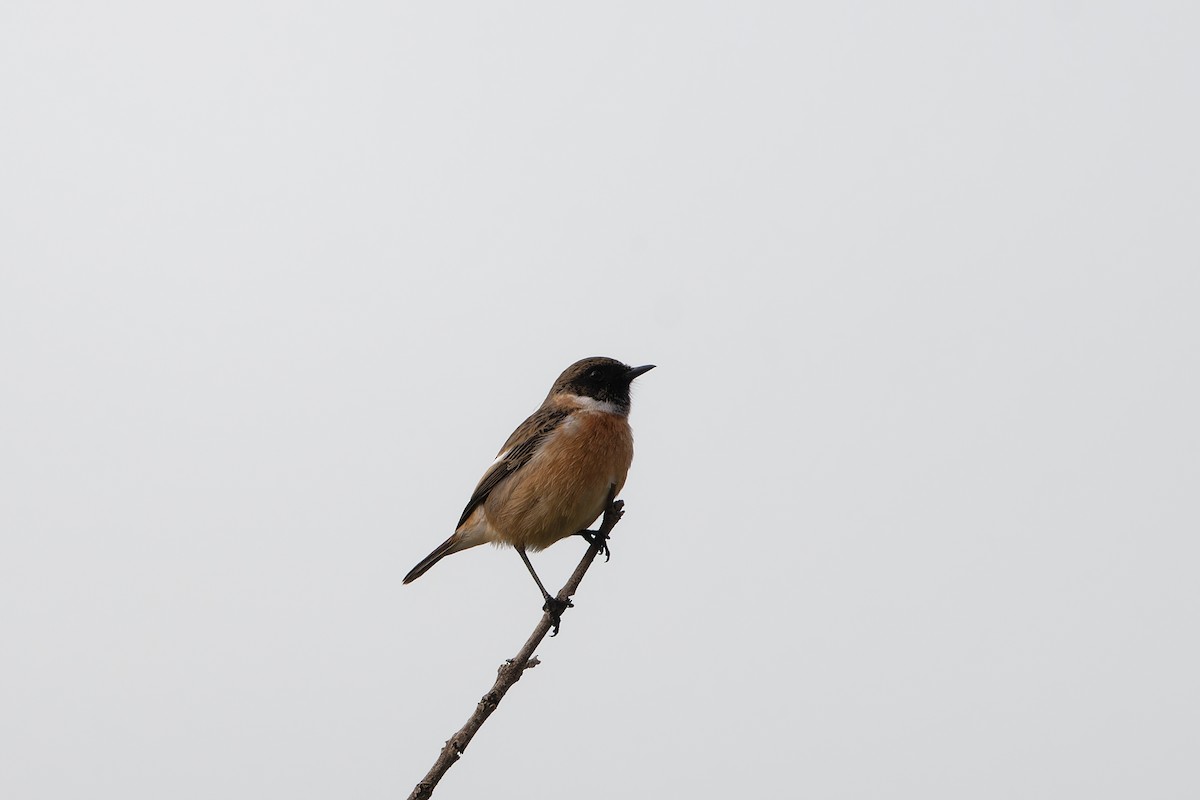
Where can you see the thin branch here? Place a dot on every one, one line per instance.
(510, 671)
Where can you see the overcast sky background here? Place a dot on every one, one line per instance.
(914, 508)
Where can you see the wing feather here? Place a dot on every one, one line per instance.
(515, 453)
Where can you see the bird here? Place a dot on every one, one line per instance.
(556, 473)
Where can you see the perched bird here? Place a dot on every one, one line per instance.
(558, 470)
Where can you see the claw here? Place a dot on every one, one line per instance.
(592, 537)
(554, 607)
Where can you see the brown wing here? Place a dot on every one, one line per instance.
(517, 451)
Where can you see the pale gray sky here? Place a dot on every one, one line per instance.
(913, 513)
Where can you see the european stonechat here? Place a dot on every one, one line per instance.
(557, 472)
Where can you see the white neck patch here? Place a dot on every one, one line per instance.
(592, 404)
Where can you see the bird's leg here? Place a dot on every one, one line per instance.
(591, 537)
(537, 580)
(612, 514)
(554, 607)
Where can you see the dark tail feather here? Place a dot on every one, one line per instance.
(451, 545)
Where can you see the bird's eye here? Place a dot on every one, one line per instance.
(594, 374)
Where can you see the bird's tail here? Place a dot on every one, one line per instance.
(455, 543)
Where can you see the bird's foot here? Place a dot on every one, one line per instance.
(592, 537)
(555, 607)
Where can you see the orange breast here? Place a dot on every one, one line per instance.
(564, 487)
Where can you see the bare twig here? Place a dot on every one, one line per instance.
(510, 671)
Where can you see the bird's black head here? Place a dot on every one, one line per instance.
(604, 380)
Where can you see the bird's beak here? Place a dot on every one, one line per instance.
(633, 372)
